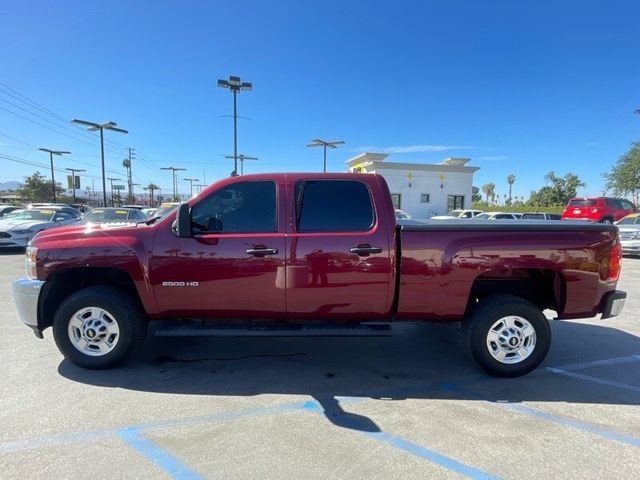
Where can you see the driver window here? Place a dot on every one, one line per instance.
(248, 207)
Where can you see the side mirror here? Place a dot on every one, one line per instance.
(183, 221)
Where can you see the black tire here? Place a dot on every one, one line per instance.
(491, 310)
(607, 221)
(122, 308)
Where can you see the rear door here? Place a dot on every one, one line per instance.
(338, 252)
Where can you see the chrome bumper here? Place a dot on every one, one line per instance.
(612, 303)
(25, 294)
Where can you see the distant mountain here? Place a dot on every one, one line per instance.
(9, 185)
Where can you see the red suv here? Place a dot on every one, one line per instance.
(599, 209)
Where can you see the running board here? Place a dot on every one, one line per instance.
(199, 330)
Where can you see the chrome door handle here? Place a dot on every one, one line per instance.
(261, 252)
(365, 250)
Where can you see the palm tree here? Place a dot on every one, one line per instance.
(488, 190)
(511, 179)
(152, 187)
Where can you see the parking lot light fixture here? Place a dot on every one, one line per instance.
(235, 85)
(94, 127)
(73, 180)
(53, 179)
(316, 142)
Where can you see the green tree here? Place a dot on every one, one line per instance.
(36, 188)
(489, 190)
(475, 194)
(152, 187)
(560, 190)
(624, 178)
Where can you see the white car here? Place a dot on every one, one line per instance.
(497, 216)
(629, 228)
(20, 226)
(458, 214)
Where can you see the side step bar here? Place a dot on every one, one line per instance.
(191, 329)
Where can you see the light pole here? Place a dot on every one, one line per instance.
(242, 158)
(53, 180)
(112, 199)
(235, 85)
(316, 142)
(133, 193)
(175, 182)
(73, 180)
(94, 127)
(191, 180)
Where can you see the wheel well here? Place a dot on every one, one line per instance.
(61, 284)
(542, 287)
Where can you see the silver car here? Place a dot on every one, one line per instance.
(629, 228)
(20, 226)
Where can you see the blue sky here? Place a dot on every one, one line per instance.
(522, 88)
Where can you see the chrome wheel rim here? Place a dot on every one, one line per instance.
(93, 331)
(511, 339)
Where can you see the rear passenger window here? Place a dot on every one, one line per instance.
(333, 206)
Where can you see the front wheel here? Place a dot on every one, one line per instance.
(99, 327)
(507, 335)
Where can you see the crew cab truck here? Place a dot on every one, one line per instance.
(314, 254)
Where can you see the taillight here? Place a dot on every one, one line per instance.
(615, 257)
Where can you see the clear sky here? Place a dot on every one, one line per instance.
(520, 87)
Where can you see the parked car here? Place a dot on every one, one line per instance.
(402, 215)
(113, 215)
(540, 216)
(598, 209)
(322, 252)
(20, 226)
(458, 214)
(149, 212)
(629, 228)
(497, 216)
(6, 210)
(165, 208)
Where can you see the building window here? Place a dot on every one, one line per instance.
(425, 197)
(455, 202)
(396, 199)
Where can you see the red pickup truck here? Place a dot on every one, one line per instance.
(314, 254)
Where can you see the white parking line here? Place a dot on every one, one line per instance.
(589, 378)
(598, 363)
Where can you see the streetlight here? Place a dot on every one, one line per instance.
(191, 180)
(53, 180)
(242, 158)
(112, 199)
(93, 127)
(235, 85)
(73, 180)
(175, 183)
(316, 142)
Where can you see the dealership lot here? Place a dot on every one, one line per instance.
(410, 406)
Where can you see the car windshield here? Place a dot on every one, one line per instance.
(483, 216)
(164, 209)
(627, 221)
(38, 215)
(582, 203)
(102, 216)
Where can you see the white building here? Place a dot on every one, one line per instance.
(421, 189)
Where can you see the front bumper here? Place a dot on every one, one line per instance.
(612, 303)
(630, 247)
(26, 293)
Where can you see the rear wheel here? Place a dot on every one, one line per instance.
(607, 220)
(99, 327)
(507, 335)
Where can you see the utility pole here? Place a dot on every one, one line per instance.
(93, 127)
(191, 180)
(242, 158)
(112, 198)
(128, 164)
(53, 180)
(321, 143)
(73, 180)
(235, 85)
(175, 181)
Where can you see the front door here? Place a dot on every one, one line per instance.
(233, 264)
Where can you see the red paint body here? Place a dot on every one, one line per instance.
(315, 277)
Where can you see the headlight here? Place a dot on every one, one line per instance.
(22, 232)
(635, 236)
(30, 262)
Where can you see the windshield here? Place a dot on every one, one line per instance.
(164, 209)
(582, 203)
(627, 221)
(483, 216)
(38, 215)
(103, 216)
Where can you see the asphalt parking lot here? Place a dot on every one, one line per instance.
(410, 406)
